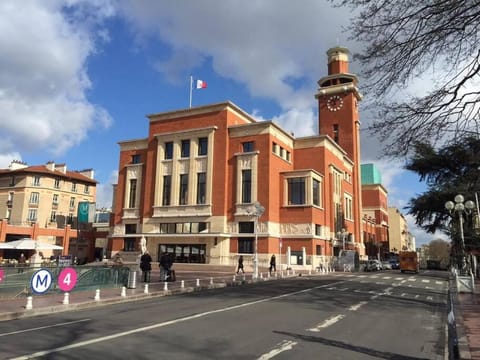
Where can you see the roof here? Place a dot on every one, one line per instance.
(42, 169)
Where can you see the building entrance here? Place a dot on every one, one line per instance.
(184, 253)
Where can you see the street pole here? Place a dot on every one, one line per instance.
(258, 211)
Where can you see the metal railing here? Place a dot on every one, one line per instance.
(16, 281)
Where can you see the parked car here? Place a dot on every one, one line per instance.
(386, 265)
(394, 264)
(373, 265)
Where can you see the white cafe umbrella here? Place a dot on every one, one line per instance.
(28, 244)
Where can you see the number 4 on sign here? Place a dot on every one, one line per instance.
(67, 279)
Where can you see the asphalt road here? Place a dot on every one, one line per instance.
(384, 315)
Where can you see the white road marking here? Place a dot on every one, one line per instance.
(429, 298)
(387, 277)
(438, 282)
(357, 306)
(417, 296)
(327, 323)
(403, 294)
(412, 279)
(399, 279)
(163, 324)
(43, 327)
(425, 280)
(283, 346)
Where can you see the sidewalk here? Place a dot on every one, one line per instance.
(467, 316)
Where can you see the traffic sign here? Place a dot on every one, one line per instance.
(41, 281)
(67, 279)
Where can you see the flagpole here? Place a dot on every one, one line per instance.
(191, 86)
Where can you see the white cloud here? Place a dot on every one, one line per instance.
(43, 78)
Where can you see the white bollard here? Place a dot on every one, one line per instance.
(211, 281)
(124, 292)
(97, 295)
(198, 282)
(29, 305)
(145, 290)
(244, 277)
(261, 276)
(234, 278)
(182, 284)
(309, 271)
(165, 286)
(66, 298)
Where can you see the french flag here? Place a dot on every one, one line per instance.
(201, 84)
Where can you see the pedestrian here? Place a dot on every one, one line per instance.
(21, 262)
(146, 266)
(164, 264)
(273, 264)
(240, 264)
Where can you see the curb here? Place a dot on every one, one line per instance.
(461, 348)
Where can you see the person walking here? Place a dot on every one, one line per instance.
(240, 264)
(273, 264)
(146, 266)
(22, 261)
(164, 264)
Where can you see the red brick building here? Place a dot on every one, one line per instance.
(193, 186)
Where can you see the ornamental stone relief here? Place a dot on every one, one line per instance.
(118, 230)
(296, 229)
(132, 173)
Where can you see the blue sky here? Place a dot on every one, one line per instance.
(77, 77)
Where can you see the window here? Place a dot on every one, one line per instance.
(348, 207)
(86, 189)
(185, 152)
(318, 229)
(245, 246)
(202, 146)
(53, 216)
(288, 156)
(12, 181)
(56, 185)
(319, 250)
(130, 228)
(183, 196)
(9, 214)
(167, 185)
(10, 196)
(132, 196)
(316, 192)
(74, 187)
(55, 199)
(335, 133)
(296, 191)
(246, 227)
(201, 187)
(32, 214)
(36, 181)
(246, 186)
(248, 146)
(168, 150)
(34, 198)
(274, 148)
(72, 202)
(136, 159)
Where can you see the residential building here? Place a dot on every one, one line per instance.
(374, 213)
(40, 202)
(400, 237)
(193, 187)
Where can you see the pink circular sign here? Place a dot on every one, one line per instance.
(67, 279)
(2, 275)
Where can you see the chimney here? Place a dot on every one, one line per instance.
(87, 172)
(16, 164)
(50, 165)
(61, 167)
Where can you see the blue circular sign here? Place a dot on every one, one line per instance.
(41, 281)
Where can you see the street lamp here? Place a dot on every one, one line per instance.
(460, 208)
(258, 210)
(343, 235)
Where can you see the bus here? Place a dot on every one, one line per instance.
(409, 261)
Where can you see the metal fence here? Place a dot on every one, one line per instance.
(16, 281)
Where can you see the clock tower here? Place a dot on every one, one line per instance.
(338, 97)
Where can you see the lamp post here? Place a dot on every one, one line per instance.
(343, 235)
(461, 208)
(258, 210)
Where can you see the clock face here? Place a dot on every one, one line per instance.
(334, 103)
